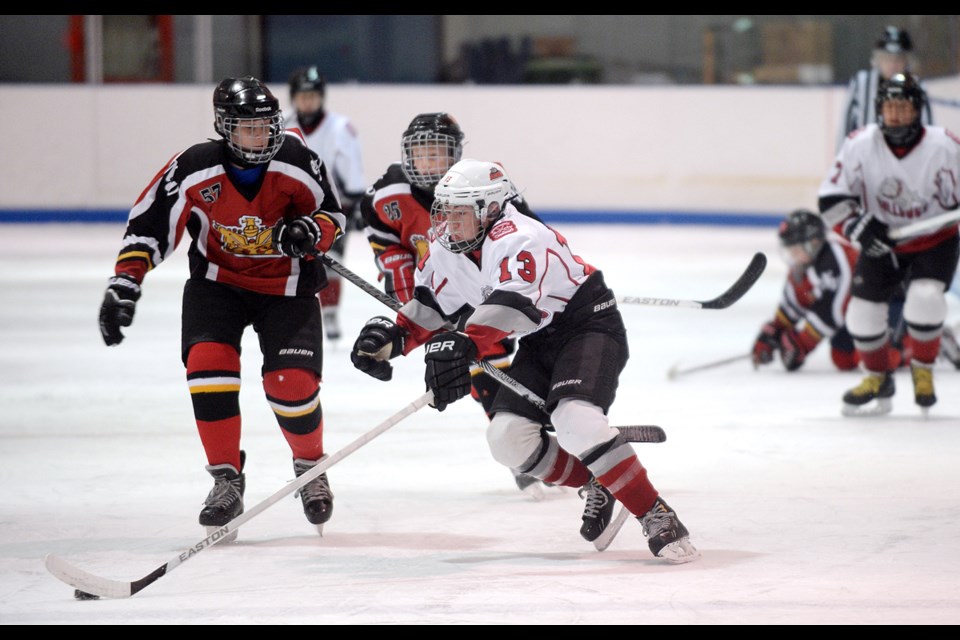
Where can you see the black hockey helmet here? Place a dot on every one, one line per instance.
(238, 99)
(307, 79)
(901, 86)
(894, 40)
(805, 229)
(435, 141)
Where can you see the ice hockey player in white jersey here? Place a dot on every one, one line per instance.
(898, 172)
(492, 272)
(331, 136)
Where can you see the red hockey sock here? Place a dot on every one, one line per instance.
(294, 396)
(568, 471)
(213, 375)
(628, 482)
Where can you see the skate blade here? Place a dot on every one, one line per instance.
(319, 529)
(534, 491)
(878, 407)
(679, 552)
(230, 537)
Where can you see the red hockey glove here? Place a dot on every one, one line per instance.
(767, 342)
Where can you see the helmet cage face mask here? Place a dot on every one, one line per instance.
(901, 87)
(466, 203)
(237, 130)
(427, 156)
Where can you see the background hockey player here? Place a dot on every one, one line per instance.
(815, 296)
(333, 137)
(491, 273)
(396, 216)
(899, 172)
(253, 202)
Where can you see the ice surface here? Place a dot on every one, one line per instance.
(802, 516)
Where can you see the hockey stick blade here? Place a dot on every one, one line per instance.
(107, 588)
(736, 291)
(643, 433)
(604, 539)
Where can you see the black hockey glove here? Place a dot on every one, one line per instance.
(871, 234)
(766, 343)
(379, 340)
(296, 238)
(118, 306)
(448, 357)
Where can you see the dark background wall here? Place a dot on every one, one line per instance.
(483, 49)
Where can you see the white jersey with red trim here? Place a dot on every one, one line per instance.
(336, 141)
(523, 276)
(923, 184)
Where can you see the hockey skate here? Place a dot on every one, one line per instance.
(876, 386)
(597, 511)
(316, 495)
(923, 385)
(529, 485)
(666, 535)
(225, 500)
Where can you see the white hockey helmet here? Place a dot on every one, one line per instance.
(468, 199)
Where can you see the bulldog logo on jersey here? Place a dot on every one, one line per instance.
(898, 200)
(251, 238)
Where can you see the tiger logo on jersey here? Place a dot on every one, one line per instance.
(250, 238)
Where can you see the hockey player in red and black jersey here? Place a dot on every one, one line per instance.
(491, 272)
(255, 203)
(815, 296)
(396, 218)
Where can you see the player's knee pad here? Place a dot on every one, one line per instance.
(513, 439)
(294, 396)
(580, 425)
(866, 320)
(925, 309)
(213, 376)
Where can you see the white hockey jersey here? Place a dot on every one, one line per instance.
(524, 275)
(923, 184)
(338, 145)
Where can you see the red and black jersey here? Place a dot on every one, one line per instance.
(396, 218)
(817, 295)
(230, 223)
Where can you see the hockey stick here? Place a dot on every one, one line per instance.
(915, 228)
(655, 434)
(88, 584)
(604, 539)
(676, 372)
(753, 271)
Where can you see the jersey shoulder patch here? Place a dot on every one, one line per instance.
(502, 229)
